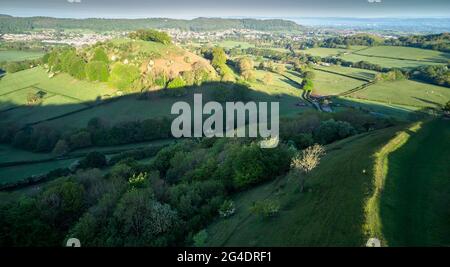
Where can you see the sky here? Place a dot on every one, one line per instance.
(226, 8)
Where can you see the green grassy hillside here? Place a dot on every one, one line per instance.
(390, 184)
(410, 205)
(330, 212)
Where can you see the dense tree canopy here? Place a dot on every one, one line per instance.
(151, 35)
(97, 71)
(123, 76)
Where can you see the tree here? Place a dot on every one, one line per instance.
(265, 208)
(307, 85)
(34, 98)
(62, 203)
(151, 35)
(97, 71)
(307, 160)
(123, 76)
(280, 68)
(331, 130)
(446, 108)
(67, 57)
(248, 75)
(200, 238)
(80, 140)
(219, 58)
(100, 55)
(245, 64)
(139, 220)
(93, 160)
(188, 77)
(268, 78)
(310, 75)
(77, 68)
(178, 82)
(227, 209)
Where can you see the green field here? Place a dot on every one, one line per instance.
(330, 212)
(130, 108)
(228, 44)
(11, 55)
(17, 173)
(329, 52)
(406, 92)
(407, 53)
(383, 109)
(352, 72)
(10, 154)
(410, 205)
(387, 62)
(324, 52)
(63, 94)
(385, 56)
(332, 84)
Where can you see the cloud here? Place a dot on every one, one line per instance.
(74, 1)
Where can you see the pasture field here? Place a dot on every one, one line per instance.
(130, 108)
(17, 173)
(279, 84)
(294, 76)
(410, 205)
(333, 84)
(20, 80)
(406, 92)
(63, 94)
(324, 52)
(61, 84)
(126, 108)
(18, 97)
(11, 154)
(406, 53)
(32, 114)
(328, 52)
(400, 112)
(228, 44)
(284, 89)
(387, 62)
(330, 212)
(12, 55)
(353, 72)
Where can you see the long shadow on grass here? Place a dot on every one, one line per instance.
(139, 106)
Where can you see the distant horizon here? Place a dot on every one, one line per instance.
(232, 17)
(185, 9)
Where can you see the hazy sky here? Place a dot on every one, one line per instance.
(210, 8)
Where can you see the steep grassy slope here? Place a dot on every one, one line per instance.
(330, 212)
(391, 184)
(410, 205)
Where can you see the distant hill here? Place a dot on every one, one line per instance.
(10, 24)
